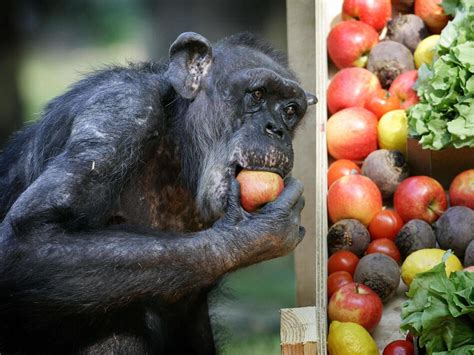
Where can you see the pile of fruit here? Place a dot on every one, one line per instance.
(386, 224)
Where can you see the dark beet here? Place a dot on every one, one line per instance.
(387, 168)
(388, 59)
(408, 30)
(348, 234)
(455, 229)
(469, 256)
(415, 235)
(379, 272)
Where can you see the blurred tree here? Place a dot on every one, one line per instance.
(216, 19)
(10, 48)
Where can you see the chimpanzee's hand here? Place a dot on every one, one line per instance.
(271, 232)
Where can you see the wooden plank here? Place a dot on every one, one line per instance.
(325, 12)
(298, 331)
(301, 42)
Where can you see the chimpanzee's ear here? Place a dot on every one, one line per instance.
(190, 61)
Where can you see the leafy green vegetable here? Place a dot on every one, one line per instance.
(445, 114)
(440, 311)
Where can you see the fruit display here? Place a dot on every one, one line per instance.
(390, 231)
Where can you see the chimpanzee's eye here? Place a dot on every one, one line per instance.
(257, 94)
(290, 110)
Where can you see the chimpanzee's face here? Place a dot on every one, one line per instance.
(243, 117)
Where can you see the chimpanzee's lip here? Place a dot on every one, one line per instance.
(240, 167)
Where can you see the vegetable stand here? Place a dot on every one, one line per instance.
(304, 330)
(297, 325)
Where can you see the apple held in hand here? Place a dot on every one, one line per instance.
(354, 196)
(420, 197)
(461, 191)
(374, 13)
(350, 42)
(402, 88)
(258, 188)
(352, 134)
(356, 303)
(351, 87)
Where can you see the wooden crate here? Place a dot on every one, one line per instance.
(442, 165)
(309, 22)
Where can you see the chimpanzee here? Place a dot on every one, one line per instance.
(120, 209)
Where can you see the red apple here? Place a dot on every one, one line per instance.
(340, 168)
(420, 197)
(354, 196)
(382, 102)
(356, 303)
(258, 188)
(351, 87)
(402, 88)
(432, 14)
(352, 134)
(461, 191)
(350, 42)
(375, 13)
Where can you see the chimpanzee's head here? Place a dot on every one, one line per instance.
(242, 106)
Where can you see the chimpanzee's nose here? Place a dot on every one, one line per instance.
(274, 130)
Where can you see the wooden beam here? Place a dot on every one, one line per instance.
(298, 331)
(301, 41)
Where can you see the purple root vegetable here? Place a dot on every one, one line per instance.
(455, 229)
(387, 168)
(408, 30)
(415, 235)
(348, 234)
(379, 272)
(389, 59)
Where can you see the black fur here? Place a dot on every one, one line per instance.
(120, 210)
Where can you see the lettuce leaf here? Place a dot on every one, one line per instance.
(440, 311)
(444, 117)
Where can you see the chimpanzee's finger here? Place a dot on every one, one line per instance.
(288, 197)
(234, 208)
(299, 205)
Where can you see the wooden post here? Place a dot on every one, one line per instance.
(308, 24)
(301, 48)
(298, 331)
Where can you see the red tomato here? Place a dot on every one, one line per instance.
(381, 102)
(399, 347)
(336, 280)
(386, 224)
(384, 246)
(342, 260)
(341, 168)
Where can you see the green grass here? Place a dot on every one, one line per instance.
(44, 74)
(256, 345)
(251, 317)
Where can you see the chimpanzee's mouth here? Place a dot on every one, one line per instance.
(239, 168)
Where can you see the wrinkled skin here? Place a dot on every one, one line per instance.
(120, 209)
